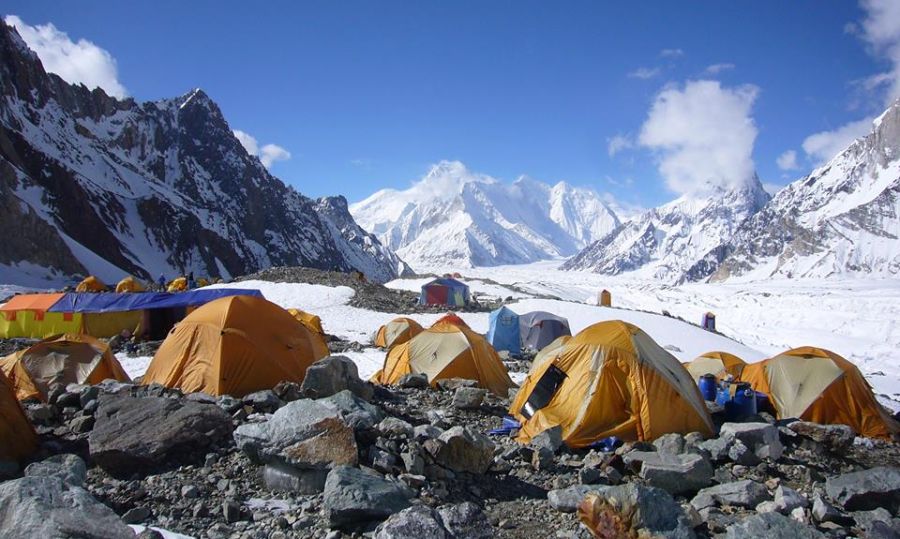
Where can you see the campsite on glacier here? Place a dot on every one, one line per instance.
(500, 270)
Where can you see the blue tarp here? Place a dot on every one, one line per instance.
(503, 330)
(109, 302)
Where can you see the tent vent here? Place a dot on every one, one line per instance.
(543, 391)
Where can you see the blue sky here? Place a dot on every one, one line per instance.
(365, 95)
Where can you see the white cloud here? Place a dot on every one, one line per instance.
(80, 62)
(787, 160)
(644, 73)
(715, 69)
(824, 145)
(772, 188)
(671, 53)
(881, 31)
(618, 143)
(268, 154)
(704, 134)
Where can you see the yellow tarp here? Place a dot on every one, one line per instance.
(91, 284)
(107, 325)
(129, 284)
(235, 345)
(447, 351)
(17, 438)
(26, 316)
(615, 381)
(814, 384)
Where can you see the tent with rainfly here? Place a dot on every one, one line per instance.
(397, 331)
(720, 364)
(444, 291)
(19, 440)
(63, 359)
(91, 284)
(611, 379)
(129, 284)
(447, 351)
(814, 384)
(234, 346)
(503, 330)
(539, 328)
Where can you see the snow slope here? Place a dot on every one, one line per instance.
(469, 219)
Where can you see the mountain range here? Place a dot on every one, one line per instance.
(91, 184)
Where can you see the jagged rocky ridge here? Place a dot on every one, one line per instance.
(94, 184)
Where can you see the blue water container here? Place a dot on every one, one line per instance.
(708, 386)
(739, 406)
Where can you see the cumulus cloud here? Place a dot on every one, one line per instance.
(824, 145)
(644, 73)
(618, 143)
(671, 53)
(268, 154)
(703, 134)
(77, 62)
(715, 69)
(787, 160)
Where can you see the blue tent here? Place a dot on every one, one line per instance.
(503, 330)
(111, 302)
(444, 291)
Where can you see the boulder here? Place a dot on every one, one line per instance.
(566, 500)
(465, 520)
(745, 493)
(356, 412)
(305, 435)
(634, 511)
(265, 401)
(866, 520)
(354, 497)
(133, 434)
(468, 398)
(788, 499)
(670, 444)
(463, 449)
(678, 474)
(280, 477)
(332, 375)
(393, 427)
(426, 432)
(451, 384)
(761, 438)
(770, 526)
(550, 439)
(740, 453)
(823, 511)
(69, 468)
(46, 506)
(835, 438)
(717, 448)
(416, 522)
(413, 380)
(867, 489)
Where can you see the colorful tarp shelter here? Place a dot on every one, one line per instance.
(397, 331)
(234, 346)
(720, 364)
(503, 330)
(611, 379)
(814, 384)
(444, 291)
(447, 351)
(539, 328)
(63, 359)
(28, 316)
(19, 441)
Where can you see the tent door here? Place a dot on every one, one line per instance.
(543, 391)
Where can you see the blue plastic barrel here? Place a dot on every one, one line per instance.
(744, 401)
(708, 387)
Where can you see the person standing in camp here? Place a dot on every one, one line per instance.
(191, 283)
(161, 282)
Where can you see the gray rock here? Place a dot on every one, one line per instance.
(413, 462)
(542, 458)
(883, 530)
(717, 448)
(69, 468)
(589, 476)
(381, 460)
(823, 511)
(463, 449)
(741, 454)
(465, 520)
(836, 438)
(413, 380)
(41, 413)
(678, 474)
(451, 384)
(136, 515)
(639, 511)
(770, 526)
(356, 412)
(670, 444)
(354, 497)
(304, 434)
(280, 477)
(416, 522)
(745, 493)
(82, 423)
(550, 438)
(426, 431)
(566, 500)
(761, 438)
(867, 519)
(867, 489)
(767, 507)
(468, 398)
(265, 401)
(225, 402)
(169, 430)
(393, 427)
(42, 506)
(333, 375)
(88, 394)
(204, 398)
(788, 499)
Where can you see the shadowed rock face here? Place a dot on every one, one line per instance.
(156, 187)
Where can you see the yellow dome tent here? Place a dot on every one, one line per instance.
(397, 331)
(611, 379)
(179, 284)
(447, 351)
(721, 364)
(61, 359)
(91, 284)
(19, 438)
(129, 284)
(818, 385)
(234, 346)
(311, 321)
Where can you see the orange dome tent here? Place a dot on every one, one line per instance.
(447, 351)
(91, 284)
(611, 379)
(19, 438)
(311, 321)
(451, 318)
(179, 284)
(61, 359)
(234, 346)
(129, 284)
(814, 384)
(397, 331)
(721, 364)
